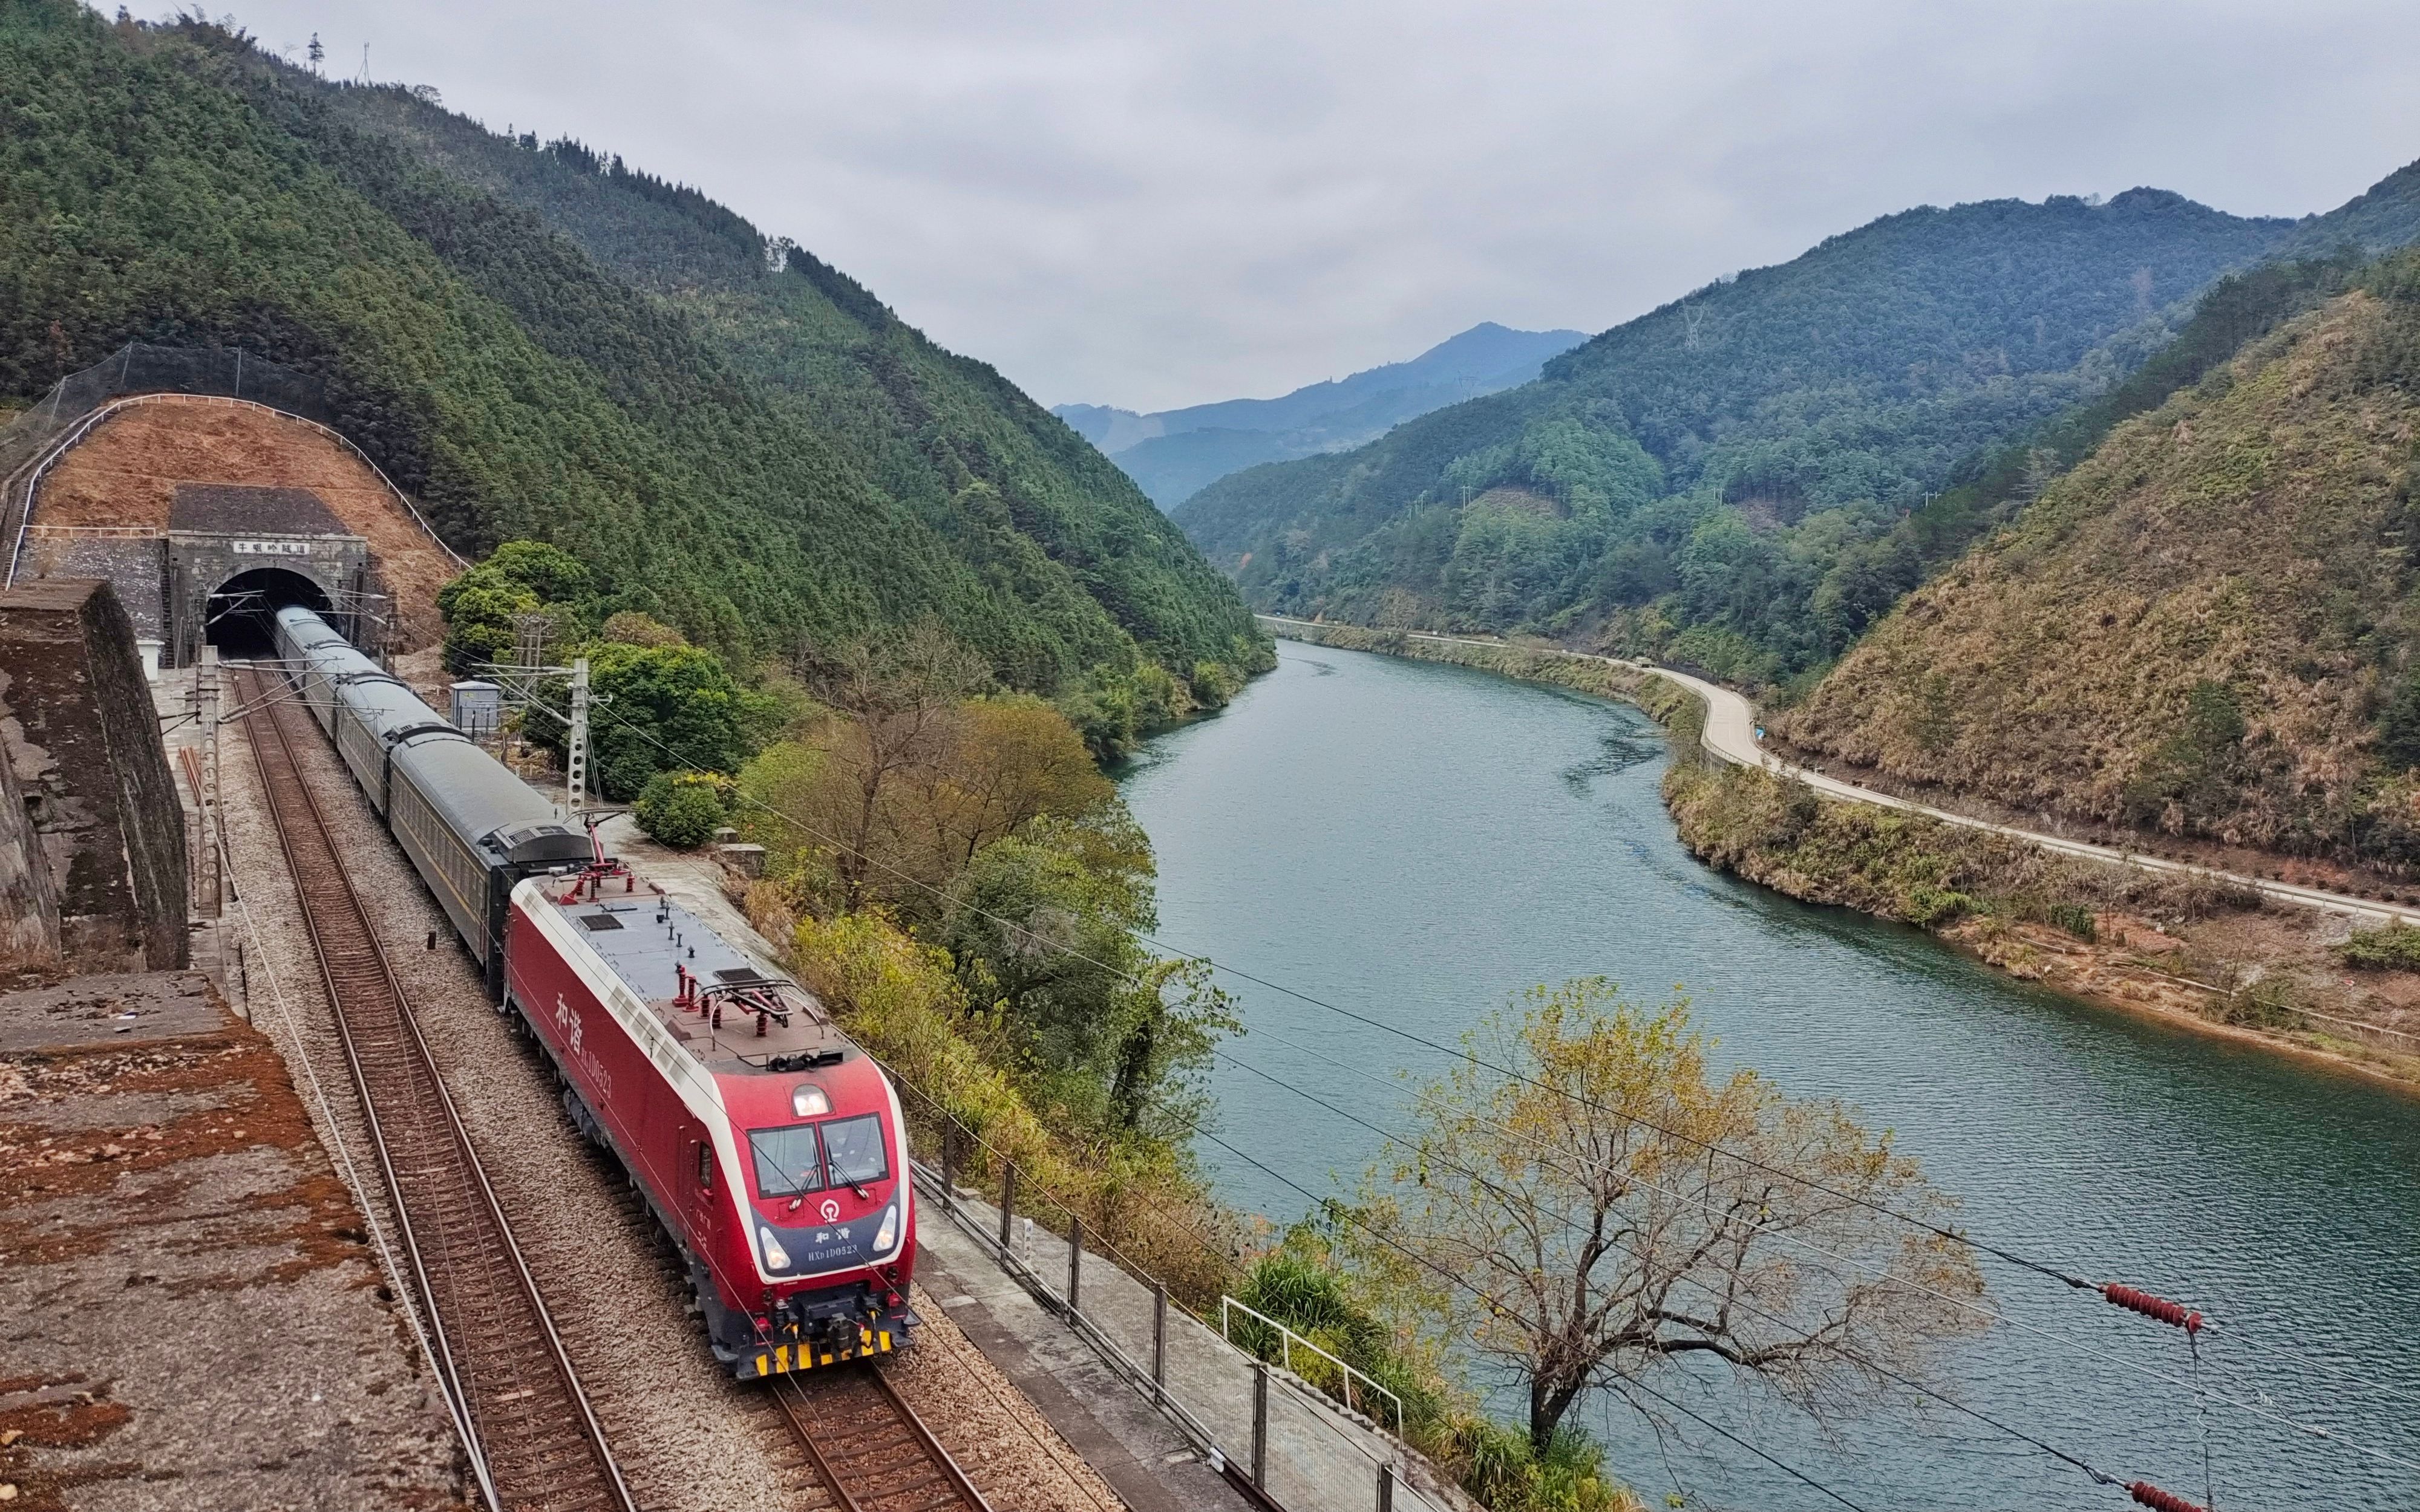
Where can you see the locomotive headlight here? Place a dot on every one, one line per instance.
(890, 1229)
(809, 1102)
(776, 1258)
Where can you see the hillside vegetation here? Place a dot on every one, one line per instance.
(2207, 627)
(1746, 478)
(542, 344)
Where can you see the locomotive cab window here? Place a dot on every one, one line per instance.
(704, 1165)
(787, 1162)
(853, 1151)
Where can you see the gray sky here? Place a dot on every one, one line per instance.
(1160, 205)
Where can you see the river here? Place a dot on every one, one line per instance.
(1415, 842)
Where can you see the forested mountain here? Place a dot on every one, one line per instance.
(1746, 478)
(541, 343)
(2207, 625)
(1173, 452)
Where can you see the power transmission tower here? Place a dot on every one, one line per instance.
(529, 639)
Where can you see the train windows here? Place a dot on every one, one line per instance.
(705, 1166)
(786, 1161)
(853, 1151)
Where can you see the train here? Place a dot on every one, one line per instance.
(767, 1143)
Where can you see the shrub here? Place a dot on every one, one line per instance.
(2395, 948)
(632, 629)
(2270, 1003)
(2073, 917)
(1930, 907)
(681, 809)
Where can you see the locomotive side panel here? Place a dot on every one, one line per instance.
(622, 1088)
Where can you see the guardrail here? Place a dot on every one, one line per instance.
(1288, 1340)
(1257, 1461)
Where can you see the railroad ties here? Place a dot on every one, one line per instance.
(872, 1451)
(535, 1442)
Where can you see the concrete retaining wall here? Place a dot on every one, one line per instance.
(78, 727)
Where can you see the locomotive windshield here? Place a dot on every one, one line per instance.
(853, 1147)
(786, 1162)
(789, 1163)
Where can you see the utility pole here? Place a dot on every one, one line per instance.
(575, 757)
(206, 690)
(529, 639)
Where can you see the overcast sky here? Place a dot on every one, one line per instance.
(1158, 205)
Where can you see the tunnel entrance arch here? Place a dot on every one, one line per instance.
(237, 555)
(240, 616)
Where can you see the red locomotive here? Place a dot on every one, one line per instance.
(769, 1146)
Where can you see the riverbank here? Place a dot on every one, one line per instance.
(2178, 946)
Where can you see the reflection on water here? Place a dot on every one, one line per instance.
(1415, 842)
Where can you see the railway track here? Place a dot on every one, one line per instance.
(869, 1449)
(533, 1440)
(852, 1443)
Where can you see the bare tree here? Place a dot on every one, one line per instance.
(1608, 1209)
(901, 694)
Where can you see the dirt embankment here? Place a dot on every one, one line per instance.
(126, 472)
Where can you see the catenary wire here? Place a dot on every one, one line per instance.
(2056, 1272)
(1784, 1467)
(2313, 1431)
(1859, 1357)
(2098, 1475)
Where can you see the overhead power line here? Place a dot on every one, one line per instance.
(2309, 1429)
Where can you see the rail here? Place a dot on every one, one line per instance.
(868, 1445)
(532, 1436)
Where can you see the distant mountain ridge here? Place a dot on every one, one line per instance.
(1173, 452)
(1746, 477)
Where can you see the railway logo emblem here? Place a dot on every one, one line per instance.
(830, 1210)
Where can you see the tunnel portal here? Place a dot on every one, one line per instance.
(237, 555)
(239, 615)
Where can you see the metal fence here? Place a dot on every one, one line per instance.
(1282, 1438)
(139, 367)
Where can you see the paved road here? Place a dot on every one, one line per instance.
(1731, 736)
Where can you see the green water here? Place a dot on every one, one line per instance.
(1414, 843)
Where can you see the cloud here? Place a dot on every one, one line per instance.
(1154, 204)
